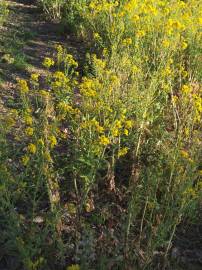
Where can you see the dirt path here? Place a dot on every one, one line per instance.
(25, 40)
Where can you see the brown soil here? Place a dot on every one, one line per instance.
(187, 245)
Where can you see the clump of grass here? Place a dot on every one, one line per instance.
(3, 12)
(53, 8)
(20, 62)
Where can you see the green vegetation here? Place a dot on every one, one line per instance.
(3, 12)
(100, 162)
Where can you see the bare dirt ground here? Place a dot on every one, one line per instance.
(187, 246)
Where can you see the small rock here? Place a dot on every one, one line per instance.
(38, 220)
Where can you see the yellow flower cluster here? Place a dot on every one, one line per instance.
(28, 120)
(198, 107)
(65, 108)
(48, 62)
(35, 77)
(97, 6)
(186, 89)
(121, 127)
(127, 41)
(122, 152)
(23, 87)
(93, 124)
(31, 148)
(29, 131)
(25, 160)
(89, 87)
(53, 141)
(59, 80)
(186, 156)
(69, 60)
(73, 267)
(104, 140)
(167, 20)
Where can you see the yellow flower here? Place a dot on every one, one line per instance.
(122, 152)
(114, 79)
(191, 160)
(47, 156)
(125, 132)
(175, 99)
(170, 61)
(60, 51)
(73, 267)
(99, 129)
(92, 5)
(99, 63)
(105, 52)
(186, 89)
(184, 45)
(31, 148)
(29, 131)
(186, 131)
(88, 87)
(53, 141)
(128, 124)
(184, 73)
(115, 132)
(190, 192)
(25, 160)
(44, 93)
(166, 43)
(136, 18)
(48, 62)
(96, 36)
(65, 108)
(59, 75)
(70, 61)
(141, 33)
(28, 120)
(40, 142)
(118, 124)
(35, 77)
(22, 84)
(104, 140)
(59, 48)
(135, 69)
(184, 154)
(167, 71)
(127, 41)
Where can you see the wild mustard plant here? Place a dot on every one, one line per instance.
(146, 43)
(137, 109)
